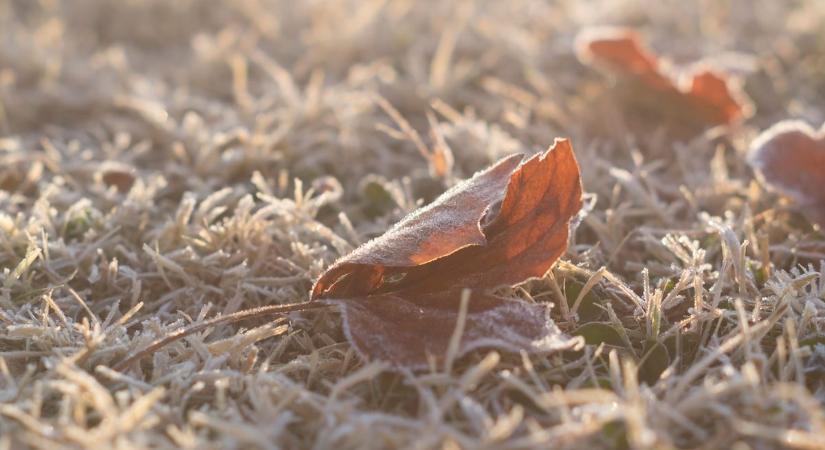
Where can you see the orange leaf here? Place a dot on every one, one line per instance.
(400, 293)
(790, 156)
(706, 94)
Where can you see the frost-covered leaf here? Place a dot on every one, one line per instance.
(400, 293)
(790, 156)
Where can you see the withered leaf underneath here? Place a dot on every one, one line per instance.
(400, 293)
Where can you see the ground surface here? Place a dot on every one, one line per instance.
(165, 162)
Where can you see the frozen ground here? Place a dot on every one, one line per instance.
(164, 162)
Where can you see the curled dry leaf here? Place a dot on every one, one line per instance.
(400, 293)
(704, 96)
(790, 156)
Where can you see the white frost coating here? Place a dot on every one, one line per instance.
(551, 339)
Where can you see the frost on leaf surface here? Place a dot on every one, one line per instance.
(400, 293)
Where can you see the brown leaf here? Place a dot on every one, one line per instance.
(790, 156)
(118, 175)
(705, 95)
(400, 293)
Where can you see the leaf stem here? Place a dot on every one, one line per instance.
(230, 318)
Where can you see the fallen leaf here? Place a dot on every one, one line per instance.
(118, 175)
(400, 294)
(790, 157)
(704, 96)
